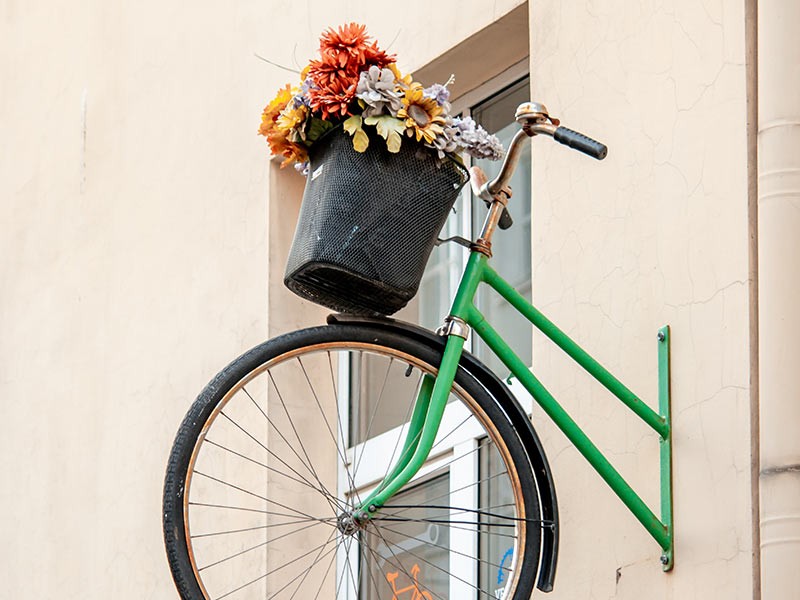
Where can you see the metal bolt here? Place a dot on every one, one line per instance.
(661, 336)
(664, 559)
(372, 508)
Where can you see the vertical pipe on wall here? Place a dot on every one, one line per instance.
(751, 62)
(779, 294)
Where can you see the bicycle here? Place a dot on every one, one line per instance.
(272, 491)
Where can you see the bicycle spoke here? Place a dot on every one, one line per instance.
(314, 563)
(345, 443)
(369, 571)
(347, 562)
(218, 533)
(290, 446)
(276, 569)
(374, 412)
(309, 464)
(391, 462)
(256, 547)
(261, 511)
(449, 492)
(448, 549)
(339, 450)
(437, 567)
(452, 431)
(269, 468)
(399, 565)
(328, 570)
(260, 497)
(270, 452)
(457, 510)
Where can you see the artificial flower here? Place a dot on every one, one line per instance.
(292, 117)
(377, 90)
(349, 46)
(423, 115)
(357, 85)
(333, 100)
(274, 108)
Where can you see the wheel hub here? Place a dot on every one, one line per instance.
(348, 523)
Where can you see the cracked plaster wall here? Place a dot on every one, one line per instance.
(655, 234)
(135, 250)
(134, 253)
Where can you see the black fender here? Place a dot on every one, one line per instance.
(541, 468)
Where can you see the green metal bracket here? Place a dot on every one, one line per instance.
(664, 410)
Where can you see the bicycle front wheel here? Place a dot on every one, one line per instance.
(279, 449)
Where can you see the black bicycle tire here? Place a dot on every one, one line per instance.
(200, 411)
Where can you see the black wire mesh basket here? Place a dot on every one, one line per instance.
(368, 223)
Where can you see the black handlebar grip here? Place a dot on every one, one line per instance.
(580, 142)
(505, 220)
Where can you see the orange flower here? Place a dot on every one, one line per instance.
(271, 111)
(333, 100)
(279, 144)
(277, 133)
(344, 54)
(349, 46)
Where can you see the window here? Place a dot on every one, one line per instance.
(444, 477)
(511, 248)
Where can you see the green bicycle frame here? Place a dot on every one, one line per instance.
(434, 392)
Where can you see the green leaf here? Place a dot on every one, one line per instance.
(360, 141)
(352, 124)
(353, 127)
(316, 129)
(389, 128)
(393, 142)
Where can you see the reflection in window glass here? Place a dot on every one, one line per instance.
(381, 391)
(382, 395)
(495, 552)
(416, 555)
(511, 248)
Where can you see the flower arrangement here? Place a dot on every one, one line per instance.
(356, 84)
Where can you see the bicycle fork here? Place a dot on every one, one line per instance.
(422, 429)
(432, 397)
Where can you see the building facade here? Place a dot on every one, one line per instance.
(145, 234)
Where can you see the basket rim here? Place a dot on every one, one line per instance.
(373, 134)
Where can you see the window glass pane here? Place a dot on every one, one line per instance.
(441, 275)
(380, 395)
(495, 552)
(511, 248)
(416, 554)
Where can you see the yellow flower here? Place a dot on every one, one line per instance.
(270, 114)
(291, 118)
(403, 81)
(423, 116)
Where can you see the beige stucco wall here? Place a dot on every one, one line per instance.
(655, 234)
(134, 254)
(140, 219)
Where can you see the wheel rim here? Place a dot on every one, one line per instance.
(269, 514)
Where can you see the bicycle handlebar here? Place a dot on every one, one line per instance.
(535, 120)
(580, 142)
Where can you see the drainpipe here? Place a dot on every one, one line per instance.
(779, 295)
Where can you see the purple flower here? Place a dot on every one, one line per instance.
(438, 92)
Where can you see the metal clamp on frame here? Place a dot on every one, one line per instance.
(454, 326)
